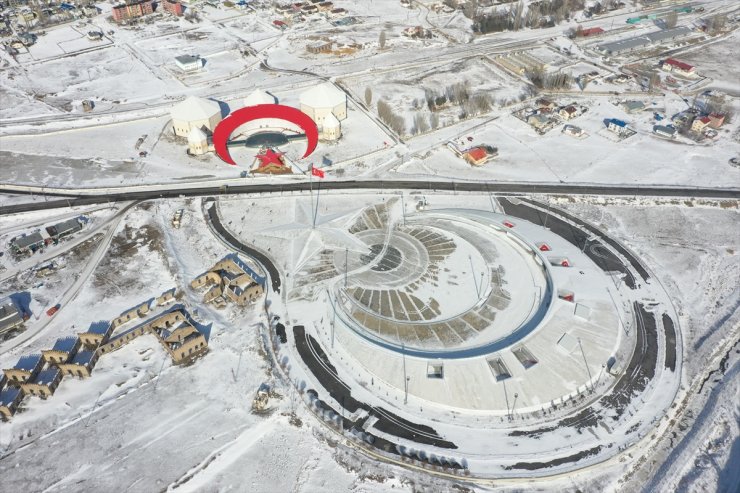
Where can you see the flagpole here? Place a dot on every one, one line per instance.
(310, 187)
(318, 192)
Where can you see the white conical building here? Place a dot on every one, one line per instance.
(195, 113)
(197, 142)
(323, 100)
(331, 129)
(258, 96)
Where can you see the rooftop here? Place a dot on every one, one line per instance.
(83, 357)
(194, 108)
(324, 95)
(9, 395)
(47, 376)
(28, 363)
(66, 344)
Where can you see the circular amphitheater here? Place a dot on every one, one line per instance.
(466, 309)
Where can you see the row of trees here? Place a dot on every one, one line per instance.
(395, 122)
(544, 13)
(549, 81)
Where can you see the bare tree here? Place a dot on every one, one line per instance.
(671, 19)
(420, 123)
(654, 81)
(368, 96)
(381, 39)
(434, 121)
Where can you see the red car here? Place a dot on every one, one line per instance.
(51, 311)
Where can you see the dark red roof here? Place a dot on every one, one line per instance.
(591, 31)
(675, 63)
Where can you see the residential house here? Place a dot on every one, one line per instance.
(568, 112)
(665, 131)
(10, 316)
(64, 349)
(716, 120)
(680, 68)
(619, 127)
(81, 365)
(633, 106)
(10, 400)
(699, 124)
(476, 156)
(538, 121)
(44, 384)
(25, 369)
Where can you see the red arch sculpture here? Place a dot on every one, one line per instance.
(224, 129)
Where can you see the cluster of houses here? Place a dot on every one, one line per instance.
(40, 374)
(30, 243)
(230, 279)
(547, 114)
(417, 32)
(134, 9)
(22, 16)
(293, 13)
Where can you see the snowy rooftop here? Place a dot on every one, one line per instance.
(324, 95)
(194, 108)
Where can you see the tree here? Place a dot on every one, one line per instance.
(654, 81)
(420, 123)
(671, 19)
(368, 96)
(381, 39)
(434, 121)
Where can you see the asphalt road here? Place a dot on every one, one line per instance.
(604, 258)
(237, 245)
(76, 199)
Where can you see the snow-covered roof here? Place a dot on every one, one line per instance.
(331, 121)
(259, 97)
(194, 108)
(196, 136)
(325, 95)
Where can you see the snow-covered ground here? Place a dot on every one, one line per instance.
(140, 423)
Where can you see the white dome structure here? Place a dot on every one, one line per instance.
(195, 113)
(323, 100)
(259, 97)
(331, 129)
(197, 141)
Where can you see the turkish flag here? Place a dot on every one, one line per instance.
(317, 172)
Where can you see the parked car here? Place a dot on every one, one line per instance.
(51, 311)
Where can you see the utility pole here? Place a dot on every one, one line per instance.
(514, 404)
(586, 363)
(87, 422)
(405, 378)
(472, 272)
(403, 209)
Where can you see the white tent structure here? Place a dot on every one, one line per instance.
(195, 113)
(258, 96)
(197, 141)
(331, 129)
(323, 100)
